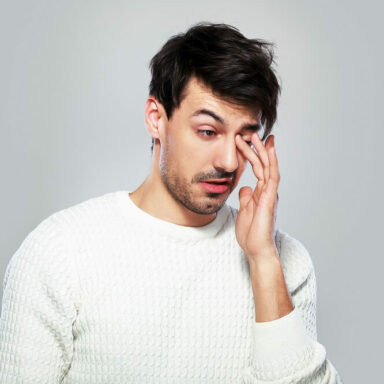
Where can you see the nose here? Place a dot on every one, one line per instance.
(226, 156)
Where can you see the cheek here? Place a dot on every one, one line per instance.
(186, 159)
(194, 151)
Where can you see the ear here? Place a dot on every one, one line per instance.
(155, 117)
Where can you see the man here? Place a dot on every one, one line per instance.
(168, 283)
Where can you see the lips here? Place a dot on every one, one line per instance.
(215, 187)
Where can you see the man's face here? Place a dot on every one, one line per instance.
(189, 154)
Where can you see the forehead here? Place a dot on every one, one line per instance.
(198, 95)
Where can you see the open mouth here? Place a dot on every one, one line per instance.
(215, 187)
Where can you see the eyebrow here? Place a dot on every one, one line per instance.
(244, 127)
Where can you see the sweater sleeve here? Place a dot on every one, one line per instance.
(36, 342)
(286, 350)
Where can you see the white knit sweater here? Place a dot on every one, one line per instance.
(103, 292)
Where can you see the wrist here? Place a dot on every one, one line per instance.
(268, 258)
(266, 272)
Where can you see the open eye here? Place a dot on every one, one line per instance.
(207, 131)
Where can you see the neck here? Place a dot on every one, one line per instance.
(148, 195)
(154, 198)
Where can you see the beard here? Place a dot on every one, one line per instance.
(203, 203)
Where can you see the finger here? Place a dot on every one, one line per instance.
(274, 178)
(262, 152)
(274, 165)
(252, 157)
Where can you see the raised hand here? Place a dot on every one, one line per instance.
(255, 223)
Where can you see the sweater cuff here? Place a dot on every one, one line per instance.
(281, 340)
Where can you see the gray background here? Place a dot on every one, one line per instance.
(74, 78)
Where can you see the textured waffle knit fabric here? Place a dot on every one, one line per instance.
(104, 293)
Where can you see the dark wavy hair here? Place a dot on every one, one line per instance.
(235, 68)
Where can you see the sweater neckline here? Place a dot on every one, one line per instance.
(167, 228)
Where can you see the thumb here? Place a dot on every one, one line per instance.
(245, 194)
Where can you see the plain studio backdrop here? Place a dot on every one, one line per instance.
(74, 79)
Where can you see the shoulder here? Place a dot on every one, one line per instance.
(95, 209)
(80, 215)
(295, 259)
(53, 236)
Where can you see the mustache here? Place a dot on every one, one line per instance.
(212, 177)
